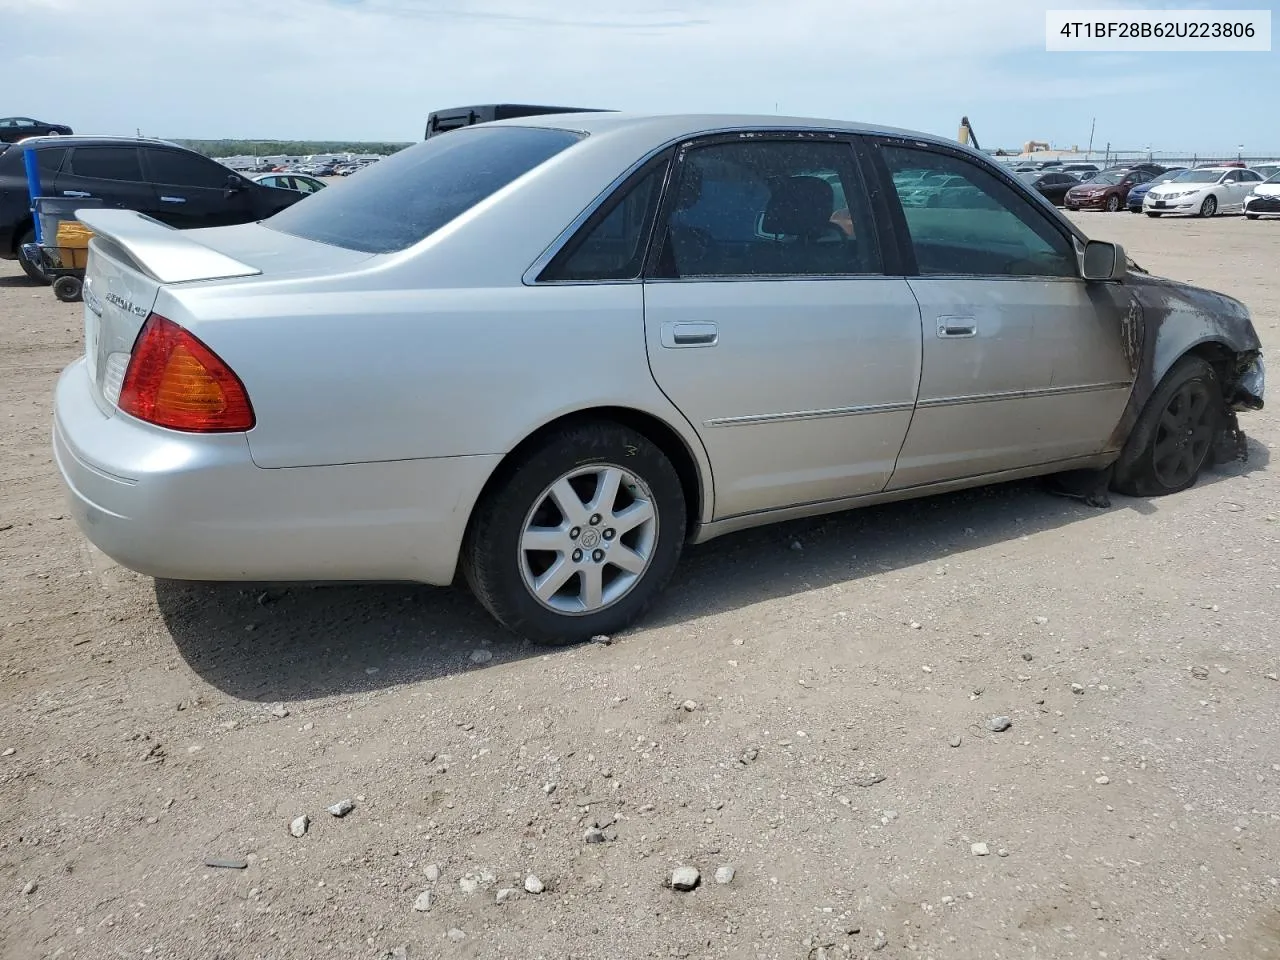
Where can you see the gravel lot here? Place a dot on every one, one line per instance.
(792, 710)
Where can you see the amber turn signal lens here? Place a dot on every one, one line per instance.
(175, 381)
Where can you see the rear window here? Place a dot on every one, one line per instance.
(413, 193)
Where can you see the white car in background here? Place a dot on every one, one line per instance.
(1202, 192)
(1265, 198)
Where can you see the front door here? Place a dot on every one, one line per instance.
(770, 324)
(1024, 362)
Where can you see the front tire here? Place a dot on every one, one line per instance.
(33, 270)
(1252, 216)
(1113, 203)
(1152, 214)
(1209, 207)
(1174, 435)
(579, 536)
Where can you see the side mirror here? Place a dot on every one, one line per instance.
(1104, 261)
(234, 183)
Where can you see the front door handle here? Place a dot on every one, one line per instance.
(173, 199)
(76, 193)
(957, 327)
(689, 334)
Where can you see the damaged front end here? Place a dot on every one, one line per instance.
(1181, 319)
(1243, 390)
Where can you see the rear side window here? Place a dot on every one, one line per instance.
(48, 159)
(613, 247)
(106, 163)
(185, 170)
(410, 195)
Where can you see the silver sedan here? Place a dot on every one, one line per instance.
(548, 352)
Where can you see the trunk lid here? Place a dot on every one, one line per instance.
(132, 256)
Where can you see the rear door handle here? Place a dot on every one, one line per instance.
(691, 333)
(957, 327)
(76, 193)
(174, 199)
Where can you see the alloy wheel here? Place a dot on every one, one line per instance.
(588, 540)
(1183, 435)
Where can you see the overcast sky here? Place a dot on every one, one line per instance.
(373, 69)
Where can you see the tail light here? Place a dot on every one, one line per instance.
(173, 380)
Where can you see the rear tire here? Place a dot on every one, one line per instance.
(559, 550)
(1174, 436)
(33, 270)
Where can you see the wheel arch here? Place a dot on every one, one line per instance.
(694, 472)
(19, 230)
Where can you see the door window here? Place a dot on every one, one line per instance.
(185, 170)
(613, 247)
(965, 221)
(768, 208)
(106, 163)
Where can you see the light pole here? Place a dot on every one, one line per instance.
(1239, 151)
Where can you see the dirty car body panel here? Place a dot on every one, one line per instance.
(790, 325)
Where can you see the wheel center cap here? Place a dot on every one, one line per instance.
(589, 539)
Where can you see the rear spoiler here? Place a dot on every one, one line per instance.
(161, 252)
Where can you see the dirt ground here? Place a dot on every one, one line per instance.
(1138, 817)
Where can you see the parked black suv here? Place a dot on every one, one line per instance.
(170, 183)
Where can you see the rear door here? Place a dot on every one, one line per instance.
(191, 190)
(111, 173)
(771, 324)
(1024, 362)
(1246, 181)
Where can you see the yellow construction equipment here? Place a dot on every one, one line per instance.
(967, 135)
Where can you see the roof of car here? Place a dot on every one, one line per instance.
(678, 125)
(73, 140)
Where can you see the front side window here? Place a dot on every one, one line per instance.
(768, 208)
(976, 225)
(412, 194)
(173, 168)
(107, 163)
(613, 247)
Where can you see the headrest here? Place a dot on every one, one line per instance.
(800, 207)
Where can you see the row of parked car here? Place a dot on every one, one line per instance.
(1157, 190)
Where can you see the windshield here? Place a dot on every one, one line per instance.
(1201, 176)
(413, 193)
(1104, 179)
(1274, 178)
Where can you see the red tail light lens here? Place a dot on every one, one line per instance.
(175, 381)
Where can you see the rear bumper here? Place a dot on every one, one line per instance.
(188, 507)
